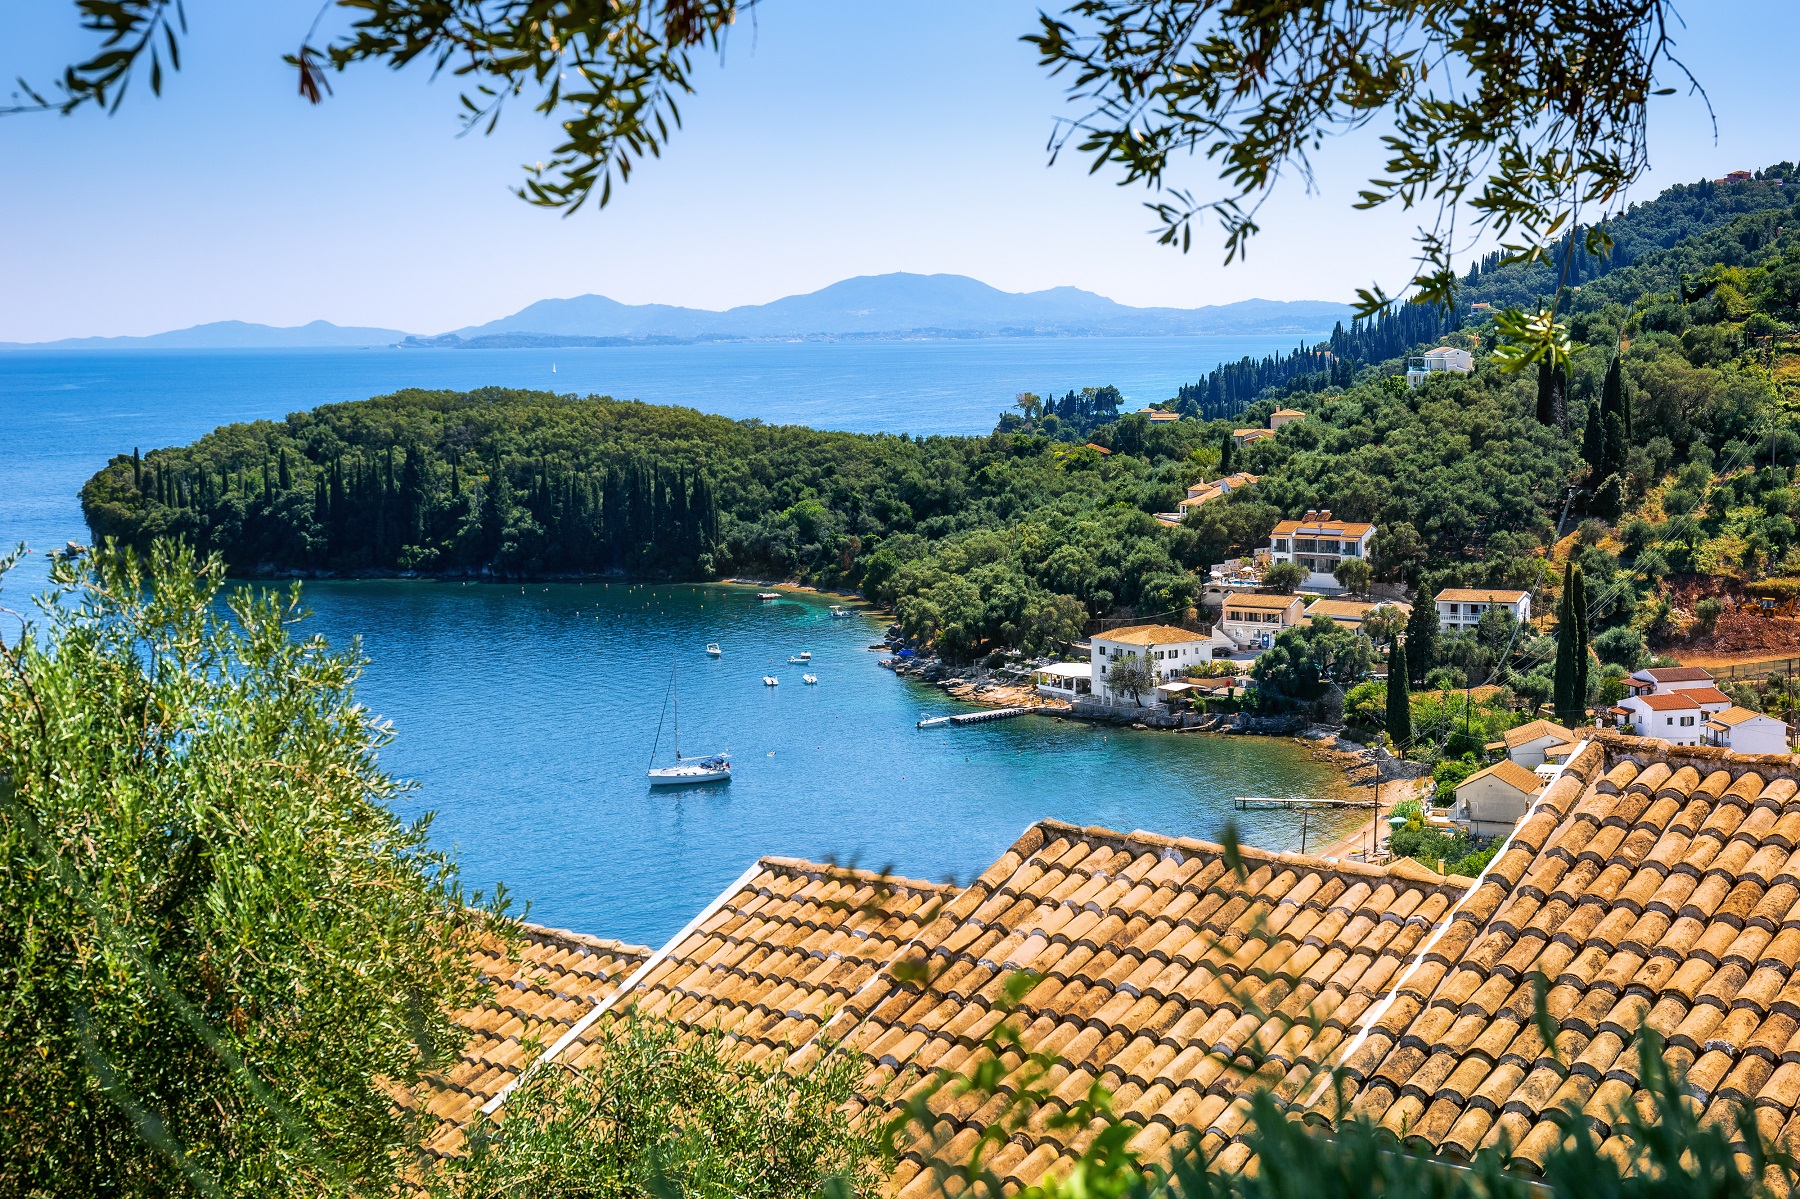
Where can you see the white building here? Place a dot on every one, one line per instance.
(1675, 716)
(1444, 358)
(1489, 802)
(1743, 731)
(1527, 745)
(1319, 543)
(1285, 416)
(1064, 680)
(1664, 679)
(1252, 621)
(1169, 652)
(1460, 608)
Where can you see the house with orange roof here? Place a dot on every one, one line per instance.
(1461, 608)
(1285, 416)
(1168, 649)
(1319, 543)
(1491, 801)
(1664, 679)
(1746, 732)
(1526, 745)
(1675, 716)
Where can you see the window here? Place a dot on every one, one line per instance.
(1453, 609)
(1669, 720)
(1281, 544)
(1687, 720)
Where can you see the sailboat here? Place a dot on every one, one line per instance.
(708, 768)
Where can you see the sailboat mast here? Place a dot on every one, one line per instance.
(675, 679)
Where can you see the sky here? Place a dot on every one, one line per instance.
(835, 138)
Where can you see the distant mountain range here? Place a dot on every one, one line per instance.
(228, 335)
(868, 307)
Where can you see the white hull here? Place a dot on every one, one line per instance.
(685, 775)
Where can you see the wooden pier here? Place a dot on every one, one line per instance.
(1248, 803)
(932, 722)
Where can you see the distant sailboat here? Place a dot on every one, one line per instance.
(553, 368)
(709, 768)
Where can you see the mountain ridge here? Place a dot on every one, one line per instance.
(865, 307)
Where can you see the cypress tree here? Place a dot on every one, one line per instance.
(285, 478)
(1563, 677)
(1546, 393)
(1421, 638)
(1227, 450)
(1399, 706)
(1612, 447)
(1591, 439)
(137, 469)
(1581, 649)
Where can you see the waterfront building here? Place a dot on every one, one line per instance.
(1252, 621)
(1352, 613)
(1168, 649)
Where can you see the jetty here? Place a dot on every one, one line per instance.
(932, 722)
(1251, 803)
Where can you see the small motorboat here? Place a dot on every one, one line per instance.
(806, 655)
(809, 679)
(932, 722)
(770, 680)
(713, 650)
(768, 596)
(839, 612)
(796, 658)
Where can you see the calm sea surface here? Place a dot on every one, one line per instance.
(527, 714)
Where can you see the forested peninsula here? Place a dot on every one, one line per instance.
(1021, 536)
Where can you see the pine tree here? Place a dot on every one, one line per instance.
(1399, 706)
(1421, 638)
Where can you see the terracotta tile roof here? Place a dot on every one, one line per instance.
(554, 978)
(1526, 733)
(1166, 978)
(1150, 634)
(1706, 695)
(1331, 528)
(1675, 674)
(1735, 715)
(1287, 412)
(1252, 434)
(1656, 888)
(786, 947)
(1665, 701)
(1509, 772)
(1651, 886)
(1340, 609)
(1258, 601)
(1479, 595)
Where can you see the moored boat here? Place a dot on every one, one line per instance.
(713, 650)
(706, 768)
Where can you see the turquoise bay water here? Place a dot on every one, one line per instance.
(526, 716)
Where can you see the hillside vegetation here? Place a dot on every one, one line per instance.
(1021, 537)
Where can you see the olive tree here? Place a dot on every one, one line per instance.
(220, 950)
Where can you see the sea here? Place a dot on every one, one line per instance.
(527, 715)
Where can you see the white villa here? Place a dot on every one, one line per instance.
(1252, 621)
(1170, 651)
(1460, 608)
(1678, 717)
(1444, 358)
(1660, 680)
(1319, 543)
(1743, 731)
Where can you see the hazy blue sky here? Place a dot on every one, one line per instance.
(838, 138)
